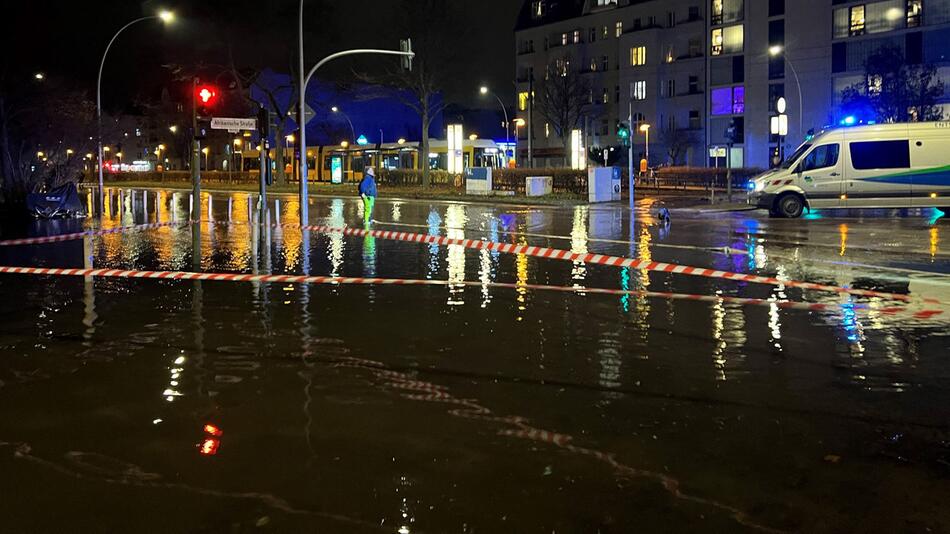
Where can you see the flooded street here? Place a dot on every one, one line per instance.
(488, 403)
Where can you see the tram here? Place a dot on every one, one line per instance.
(344, 163)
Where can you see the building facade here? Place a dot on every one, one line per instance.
(693, 69)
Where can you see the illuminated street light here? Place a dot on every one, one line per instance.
(335, 109)
(173, 129)
(485, 91)
(774, 51)
(401, 141)
(70, 152)
(40, 154)
(39, 76)
(645, 128)
(166, 17)
(345, 144)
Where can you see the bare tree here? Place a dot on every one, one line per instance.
(565, 99)
(677, 141)
(45, 130)
(430, 24)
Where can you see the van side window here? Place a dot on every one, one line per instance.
(822, 157)
(880, 155)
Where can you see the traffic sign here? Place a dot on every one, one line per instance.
(233, 124)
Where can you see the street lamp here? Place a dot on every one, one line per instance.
(238, 143)
(519, 122)
(39, 76)
(173, 129)
(774, 51)
(167, 17)
(645, 128)
(207, 152)
(158, 153)
(484, 90)
(335, 109)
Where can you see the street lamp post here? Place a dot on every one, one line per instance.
(207, 152)
(519, 122)
(335, 109)
(646, 130)
(165, 16)
(775, 51)
(484, 90)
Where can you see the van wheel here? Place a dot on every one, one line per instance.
(790, 206)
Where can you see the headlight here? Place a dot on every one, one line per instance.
(759, 187)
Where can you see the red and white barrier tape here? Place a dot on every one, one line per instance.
(328, 280)
(540, 252)
(81, 235)
(611, 261)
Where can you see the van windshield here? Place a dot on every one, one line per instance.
(787, 164)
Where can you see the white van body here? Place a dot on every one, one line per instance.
(879, 166)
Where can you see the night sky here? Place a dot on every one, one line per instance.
(66, 39)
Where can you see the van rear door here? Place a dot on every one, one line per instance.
(930, 160)
(878, 174)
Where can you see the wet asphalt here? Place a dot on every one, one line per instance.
(184, 406)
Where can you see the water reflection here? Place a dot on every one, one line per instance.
(336, 245)
(579, 238)
(455, 221)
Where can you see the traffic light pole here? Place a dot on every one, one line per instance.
(195, 157)
(263, 129)
(630, 157)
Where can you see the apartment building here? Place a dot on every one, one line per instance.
(690, 69)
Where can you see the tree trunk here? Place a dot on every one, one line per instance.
(424, 148)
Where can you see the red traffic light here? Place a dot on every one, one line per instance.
(206, 95)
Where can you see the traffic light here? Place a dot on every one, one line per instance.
(623, 134)
(405, 45)
(206, 98)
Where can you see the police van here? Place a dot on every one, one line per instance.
(876, 166)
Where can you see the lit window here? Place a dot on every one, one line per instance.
(915, 10)
(619, 28)
(716, 49)
(638, 56)
(593, 64)
(717, 11)
(577, 36)
(728, 100)
(638, 90)
(563, 39)
(523, 101)
(547, 130)
(606, 96)
(857, 20)
(606, 32)
(728, 40)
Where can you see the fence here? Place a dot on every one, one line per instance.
(565, 181)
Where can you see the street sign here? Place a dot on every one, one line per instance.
(232, 124)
